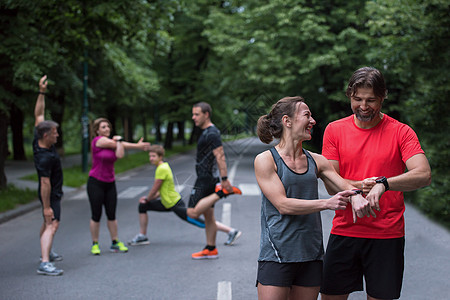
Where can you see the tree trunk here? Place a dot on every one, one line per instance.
(16, 121)
(57, 115)
(195, 134)
(169, 136)
(180, 126)
(130, 130)
(3, 148)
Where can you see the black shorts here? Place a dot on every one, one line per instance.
(306, 274)
(348, 259)
(204, 186)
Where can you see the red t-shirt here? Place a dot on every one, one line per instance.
(362, 153)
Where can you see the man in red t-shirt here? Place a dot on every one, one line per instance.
(371, 150)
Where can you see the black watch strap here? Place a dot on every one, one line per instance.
(224, 178)
(383, 180)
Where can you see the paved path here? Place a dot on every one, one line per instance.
(427, 253)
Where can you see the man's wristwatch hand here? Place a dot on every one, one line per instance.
(383, 180)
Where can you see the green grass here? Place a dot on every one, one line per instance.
(13, 196)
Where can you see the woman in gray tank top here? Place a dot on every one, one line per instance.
(291, 247)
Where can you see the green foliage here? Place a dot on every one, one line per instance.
(13, 196)
(149, 61)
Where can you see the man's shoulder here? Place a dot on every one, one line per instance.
(343, 122)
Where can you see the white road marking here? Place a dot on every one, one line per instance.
(132, 192)
(226, 214)
(179, 188)
(224, 290)
(82, 195)
(232, 171)
(249, 189)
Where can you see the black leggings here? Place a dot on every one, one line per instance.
(102, 193)
(179, 209)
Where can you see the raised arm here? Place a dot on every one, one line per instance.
(140, 145)
(39, 109)
(273, 189)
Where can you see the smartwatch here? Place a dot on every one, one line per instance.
(383, 180)
(224, 178)
(357, 191)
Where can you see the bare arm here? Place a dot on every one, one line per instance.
(45, 197)
(39, 109)
(417, 176)
(273, 189)
(140, 145)
(153, 193)
(335, 183)
(114, 144)
(222, 164)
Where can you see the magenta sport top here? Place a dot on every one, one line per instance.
(102, 162)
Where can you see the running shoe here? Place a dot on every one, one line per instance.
(54, 256)
(206, 254)
(235, 190)
(232, 237)
(95, 249)
(139, 239)
(47, 268)
(118, 247)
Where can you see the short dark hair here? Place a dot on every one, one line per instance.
(45, 127)
(367, 77)
(205, 107)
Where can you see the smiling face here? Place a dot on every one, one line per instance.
(301, 123)
(366, 107)
(104, 129)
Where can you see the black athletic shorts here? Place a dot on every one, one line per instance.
(348, 259)
(204, 186)
(306, 274)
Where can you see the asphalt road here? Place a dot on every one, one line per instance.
(164, 269)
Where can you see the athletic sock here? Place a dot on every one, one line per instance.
(115, 242)
(94, 242)
(221, 194)
(210, 248)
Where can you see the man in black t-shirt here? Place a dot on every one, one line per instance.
(48, 167)
(210, 166)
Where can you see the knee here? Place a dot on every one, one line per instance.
(192, 213)
(141, 208)
(96, 217)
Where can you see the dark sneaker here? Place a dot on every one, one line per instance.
(119, 247)
(54, 256)
(206, 254)
(232, 237)
(139, 239)
(47, 268)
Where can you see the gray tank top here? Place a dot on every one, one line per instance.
(290, 238)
